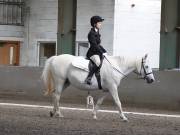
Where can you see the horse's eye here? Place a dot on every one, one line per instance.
(146, 66)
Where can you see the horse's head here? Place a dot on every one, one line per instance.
(145, 70)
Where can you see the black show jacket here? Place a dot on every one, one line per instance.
(94, 39)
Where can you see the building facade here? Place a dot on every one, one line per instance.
(43, 28)
(32, 39)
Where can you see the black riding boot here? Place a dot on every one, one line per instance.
(89, 77)
(98, 77)
(92, 70)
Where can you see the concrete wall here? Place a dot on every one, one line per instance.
(40, 25)
(85, 10)
(20, 82)
(137, 29)
(9, 32)
(25, 83)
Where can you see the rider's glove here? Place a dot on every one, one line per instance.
(105, 54)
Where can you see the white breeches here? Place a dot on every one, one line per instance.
(96, 60)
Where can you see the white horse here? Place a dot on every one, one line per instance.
(59, 73)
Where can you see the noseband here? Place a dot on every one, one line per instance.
(143, 68)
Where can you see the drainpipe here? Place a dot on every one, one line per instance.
(27, 11)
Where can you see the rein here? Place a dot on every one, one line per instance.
(142, 67)
(116, 68)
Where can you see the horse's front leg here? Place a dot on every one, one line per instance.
(114, 93)
(99, 102)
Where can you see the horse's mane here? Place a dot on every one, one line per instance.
(123, 60)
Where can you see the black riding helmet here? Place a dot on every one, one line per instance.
(96, 19)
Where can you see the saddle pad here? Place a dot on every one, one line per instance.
(81, 62)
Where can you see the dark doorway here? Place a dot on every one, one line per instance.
(46, 50)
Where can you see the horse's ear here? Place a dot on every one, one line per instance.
(145, 57)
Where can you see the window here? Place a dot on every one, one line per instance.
(11, 12)
(82, 48)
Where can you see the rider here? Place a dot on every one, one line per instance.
(96, 51)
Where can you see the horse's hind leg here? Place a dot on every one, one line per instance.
(99, 102)
(56, 98)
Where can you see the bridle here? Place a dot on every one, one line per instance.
(144, 69)
(138, 73)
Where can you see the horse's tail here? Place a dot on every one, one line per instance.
(47, 77)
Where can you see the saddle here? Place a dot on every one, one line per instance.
(81, 63)
(86, 65)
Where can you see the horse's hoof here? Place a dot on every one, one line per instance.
(94, 117)
(57, 115)
(51, 114)
(125, 120)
